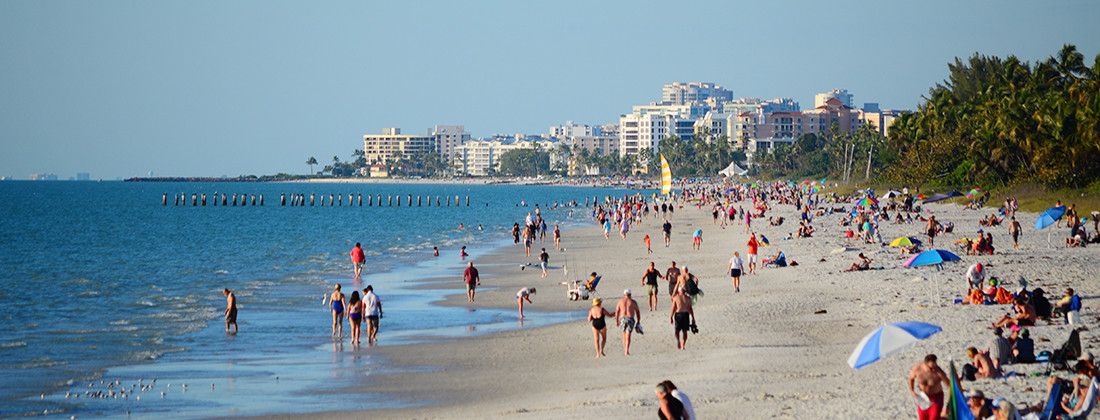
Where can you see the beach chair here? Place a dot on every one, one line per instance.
(582, 289)
(778, 262)
(1053, 407)
(1066, 354)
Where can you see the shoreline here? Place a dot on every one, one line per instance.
(767, 351)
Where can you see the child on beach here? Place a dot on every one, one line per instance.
(648, 249)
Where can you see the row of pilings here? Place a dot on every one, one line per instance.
(313, 199)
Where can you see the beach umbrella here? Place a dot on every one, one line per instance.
(954, 194)
(905, 241)
(892, 194)
(974, 193)
(931, 257)
(888, 340)
(867, 201)
(936, 197)
(957, 408)
(1049, 217)
(920, 197)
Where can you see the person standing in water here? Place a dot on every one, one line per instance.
(357, 259)
(230, 310)
(337, 304)
(522, 295)
(372, 308)
(470, 276)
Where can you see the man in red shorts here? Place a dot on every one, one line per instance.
(927, 376)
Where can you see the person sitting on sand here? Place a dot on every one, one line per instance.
(978, 404)
(982, 366)
(1086, 393)
(1023, 349)
(1024, 317)
(864, 263)
(1075, 241)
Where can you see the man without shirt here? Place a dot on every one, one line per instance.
(627, 310)
(671, 276)
(230, 310)
(926, 377)
(649, 280)
(683, 316)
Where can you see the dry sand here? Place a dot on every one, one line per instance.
(765, 352)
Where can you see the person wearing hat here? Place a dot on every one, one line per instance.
(975, 277)
(599, 325)
(1023, 349)
(979, 406)
(627, 316)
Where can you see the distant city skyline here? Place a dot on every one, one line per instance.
(121, 89)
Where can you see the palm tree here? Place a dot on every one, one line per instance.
(311, 161)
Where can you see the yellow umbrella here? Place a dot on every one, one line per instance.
(904, 241)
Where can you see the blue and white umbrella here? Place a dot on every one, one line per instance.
(889, 340)
(1049, 217)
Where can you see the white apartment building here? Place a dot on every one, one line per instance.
(476, 157)
(447, 137)
(638, 132)
(680, 93)
(385, 147)
(570, 129)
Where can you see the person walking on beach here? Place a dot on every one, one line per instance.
(682, 318)
(372, 308)
(668, 407)
(357, 259)
(470, 276)
(672, 275)
(931, 228)
(1014, 229)
(524, 294)
(230, 310)
(557, 238)
(628, 316)
(337, 303)
(697, 239)
(649, 280)
(515, 233)
(753, 248)
(689, 412)
(599, 325)
(667, 230)
(735, 271)
(926, 378)
(544, 260)
(648, 247)
(355, 316)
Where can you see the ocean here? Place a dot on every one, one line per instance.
(103, 288)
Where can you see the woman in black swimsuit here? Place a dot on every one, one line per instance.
(599, 325)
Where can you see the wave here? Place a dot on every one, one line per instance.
(13, 344)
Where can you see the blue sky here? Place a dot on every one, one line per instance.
(210, 88)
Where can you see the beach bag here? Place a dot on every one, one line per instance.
(690, 287)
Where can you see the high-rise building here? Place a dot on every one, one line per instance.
(447, 137)
(841, 94)
(391, 144)
(482, 156)
(680, 93)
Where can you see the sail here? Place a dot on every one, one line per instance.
(666, 177)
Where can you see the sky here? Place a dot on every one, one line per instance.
(209, 88)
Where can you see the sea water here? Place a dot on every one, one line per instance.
(100, 282)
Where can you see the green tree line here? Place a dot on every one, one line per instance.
(1001, 122)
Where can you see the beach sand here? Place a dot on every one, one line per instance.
(779, 348)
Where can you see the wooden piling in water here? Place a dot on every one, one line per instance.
(253, 199)
(437, 201)
(467, 201)
(261, 199)
(360, 197)
(164, 200)
(456, 201)
(389, 199)
(419, 200)
(204, 199)
(311, 197)
(225, 199)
